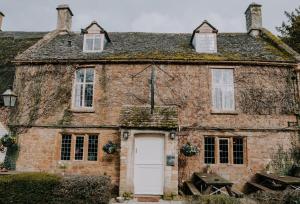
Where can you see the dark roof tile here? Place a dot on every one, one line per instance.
(160, 46)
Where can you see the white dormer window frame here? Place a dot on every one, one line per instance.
(205, 43)
(93, 42)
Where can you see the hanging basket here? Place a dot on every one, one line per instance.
(189, 150)
(8, 141)
(110, 148)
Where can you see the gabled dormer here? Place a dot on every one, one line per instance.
(204, 38)
(95, 38)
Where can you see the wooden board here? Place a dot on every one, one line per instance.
(259, 187)
(288, 180)
(192, 188)
(213, 179)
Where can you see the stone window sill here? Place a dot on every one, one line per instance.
(82, 110)
(224, 113)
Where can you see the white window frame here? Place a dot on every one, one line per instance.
(224, 87)
(93, 36)
(212, 42)
(83, 108)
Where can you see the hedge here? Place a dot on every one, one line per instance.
(48, 188)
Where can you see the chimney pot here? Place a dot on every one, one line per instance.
(1, 20)
(254, 19)
(64, 17)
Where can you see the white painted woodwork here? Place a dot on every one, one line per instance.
(149, 165)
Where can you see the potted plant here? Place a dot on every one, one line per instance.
(8, 141)
(189, 150)
(110, 148)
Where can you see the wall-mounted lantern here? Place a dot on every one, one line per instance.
(172, 134)
(9, 97)
(125, 134)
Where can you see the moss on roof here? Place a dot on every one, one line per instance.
(12, 43)
(160, 46)
(163, 117)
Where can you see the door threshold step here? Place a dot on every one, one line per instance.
(148, 198)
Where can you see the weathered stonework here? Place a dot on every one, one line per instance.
(188, 87)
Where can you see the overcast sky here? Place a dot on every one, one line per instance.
(142, 15)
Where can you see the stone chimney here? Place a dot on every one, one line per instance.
(64, 17)
(1, 20)
(254, 19)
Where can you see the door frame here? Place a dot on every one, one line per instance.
(126, 175)
(163, 159)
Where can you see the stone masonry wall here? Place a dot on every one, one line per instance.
(263, 97)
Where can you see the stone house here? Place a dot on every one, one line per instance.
(233, 95)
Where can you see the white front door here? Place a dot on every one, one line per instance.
(149, 165)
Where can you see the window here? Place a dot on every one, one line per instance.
(93, 148)
(238, 150)
(228, 150)
(207, 43)
(84, 88)
(223, 150)
(92, 43)
(209, 150)
(222, 90)
(81, 147)
(66, 147)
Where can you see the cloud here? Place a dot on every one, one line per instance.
(153, 22)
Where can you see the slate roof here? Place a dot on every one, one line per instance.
(133, 46)
(11, 44)
(163, 117)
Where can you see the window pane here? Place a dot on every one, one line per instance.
(79, 148)
(97, 45)
(228, 99)
(228, 76)
(217, 99)
(78, 95)
(217, 76)
(223, 89)
(93, 148)
(88, 101)
(89, 75)
(223, 149)
(84, 88)
(89, 44)
(66, 147)
(238, 150)
(80, 75)
(209, 150)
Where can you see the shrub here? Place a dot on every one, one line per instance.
(285, 197)
(46, 188)
(27, 188)
(214, 199)
(84, 189)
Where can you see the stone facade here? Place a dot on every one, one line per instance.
(47, 114)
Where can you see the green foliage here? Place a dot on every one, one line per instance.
(84, 189)
(290, 30)
(127, 195)
(8, 141)
(285, 197)
(282, 161)
(214, 199)
(27, 188)
(47, 188)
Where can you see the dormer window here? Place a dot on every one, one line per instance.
(95, 38)
(93, 43)
(204, 38)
